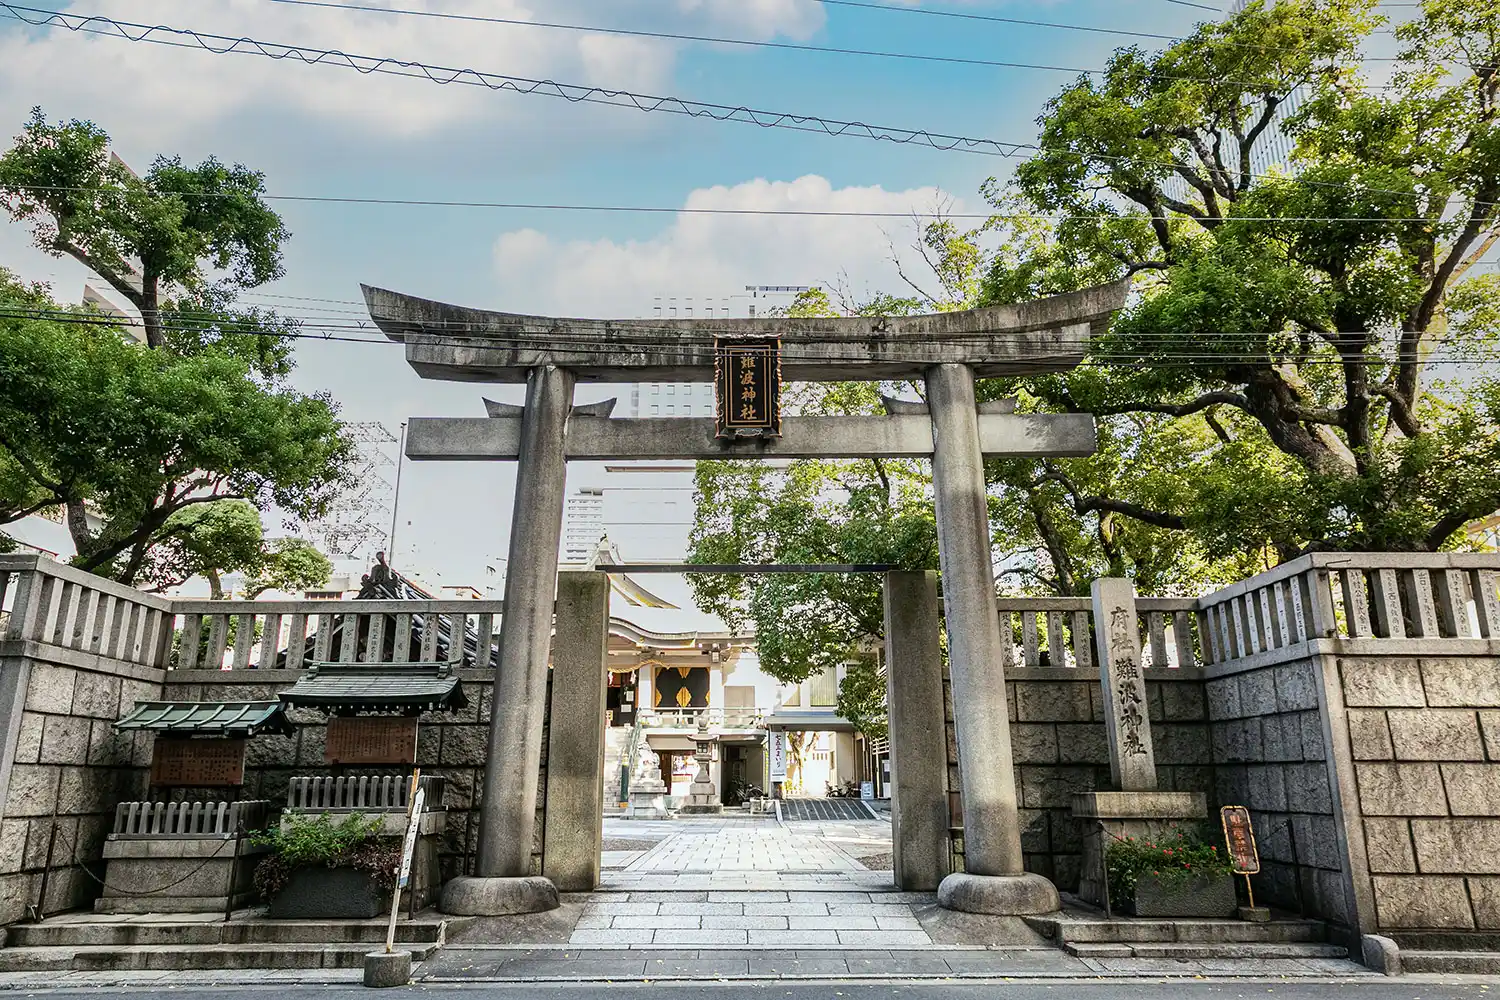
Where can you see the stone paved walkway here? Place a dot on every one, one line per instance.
(749, 881)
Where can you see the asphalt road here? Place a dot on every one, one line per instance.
(1410, 989)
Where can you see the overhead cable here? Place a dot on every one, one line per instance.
(530, 206)
(768, 43)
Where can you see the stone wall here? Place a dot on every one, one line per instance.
(1270, 754)
(448, 745)
(1424, 736)
(1059, 749)
(70, 768)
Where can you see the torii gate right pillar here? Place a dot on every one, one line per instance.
(994, 880)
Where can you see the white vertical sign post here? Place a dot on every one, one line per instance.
(408, 849)
(778, 755)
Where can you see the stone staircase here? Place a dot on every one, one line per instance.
(1450, 952)
(1092, 935)
(171, 942)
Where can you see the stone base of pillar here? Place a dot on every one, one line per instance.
(1022, 895)
(648, 801)
(1108, 816)
(470, 896)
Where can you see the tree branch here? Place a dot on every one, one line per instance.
(1203, 402)
(1401, 413)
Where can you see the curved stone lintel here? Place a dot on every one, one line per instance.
(1021, 895)
(469, 896)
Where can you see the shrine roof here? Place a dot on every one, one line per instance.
(378, 687)
(208, 718)
(461, 344)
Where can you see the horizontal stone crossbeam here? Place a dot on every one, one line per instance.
(461, 344)
(475, 439)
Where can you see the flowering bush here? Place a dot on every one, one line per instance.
(1180, 854)
(307, 842)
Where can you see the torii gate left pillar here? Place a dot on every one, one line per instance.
(946, 351)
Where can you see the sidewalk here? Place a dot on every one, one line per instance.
(572, 964)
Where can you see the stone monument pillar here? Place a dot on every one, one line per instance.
(994, 880)
(1136, 808)
(507, 832)
(918, 740)
(703, 796)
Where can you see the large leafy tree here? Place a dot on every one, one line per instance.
(1303, 308)
(162, 240)
(124, 438)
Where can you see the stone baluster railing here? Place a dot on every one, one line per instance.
(57, 605)
(1354, 596)
(188, 820)
(243, 635)
(1060, 630)
(364, 793)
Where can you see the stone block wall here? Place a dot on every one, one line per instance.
(452, 746)
(70, 769)
(1270, 754)
(1059, 749)
(1424, 737)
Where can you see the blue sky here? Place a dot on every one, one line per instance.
(330, 131)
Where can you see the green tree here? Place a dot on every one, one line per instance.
(226, 536)
(146, 236)
(1298, 311)
(124, 438)
(289, 564)
(862, 699)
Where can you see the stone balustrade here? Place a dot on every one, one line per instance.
(1057, 632)
(53, 604)
(289, 634)
(188, 820)
(365, 793)
(1354, 596)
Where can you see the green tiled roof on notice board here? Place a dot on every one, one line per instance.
(208, 718)
(378, 687)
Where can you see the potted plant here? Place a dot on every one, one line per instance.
(1176, 875)
(319, 869)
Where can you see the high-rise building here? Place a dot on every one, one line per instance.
(583, 524)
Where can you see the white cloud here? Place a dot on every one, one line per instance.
(157, 93)
(717, 255)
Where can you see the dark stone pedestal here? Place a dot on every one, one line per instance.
(1156, 896)
(329, 894)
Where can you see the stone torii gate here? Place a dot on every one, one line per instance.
(946, 351)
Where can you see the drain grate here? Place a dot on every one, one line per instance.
(823, 810)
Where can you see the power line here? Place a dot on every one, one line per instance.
(1133, 218)
(576, 93)
(767, 44)
(1105, 359)
(325, 54)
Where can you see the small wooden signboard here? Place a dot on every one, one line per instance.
(1239, 838)
(371, 739)
(216, 763)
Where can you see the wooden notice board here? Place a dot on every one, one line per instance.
(368, 739)
(198, 763)
(1239, 838)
